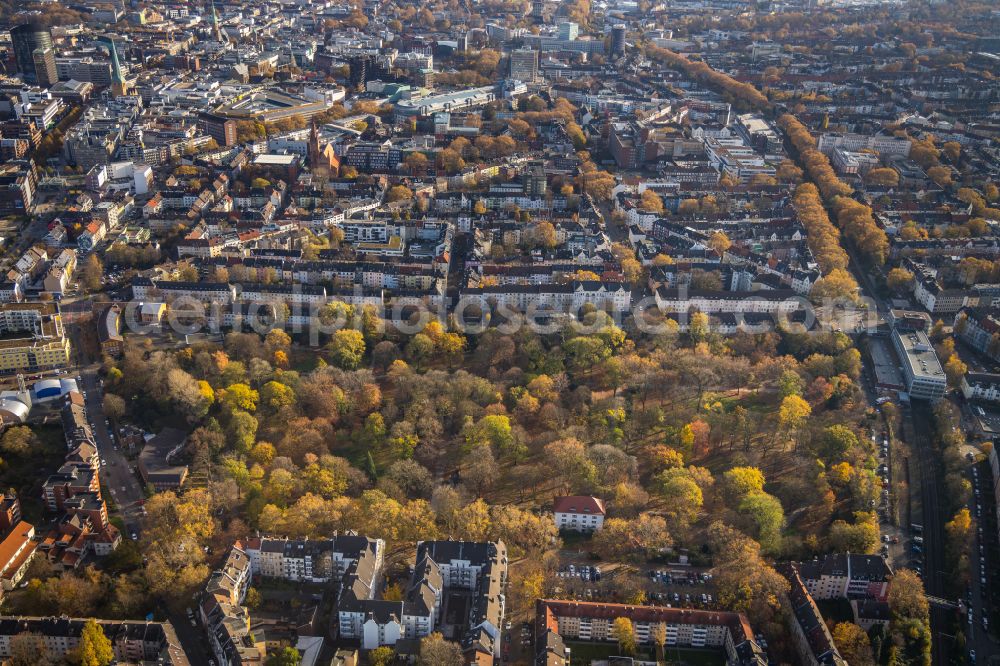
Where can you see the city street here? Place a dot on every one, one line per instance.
(124, 486)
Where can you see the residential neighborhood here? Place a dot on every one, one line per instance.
(526, 332)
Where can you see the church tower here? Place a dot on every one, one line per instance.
(319, 165)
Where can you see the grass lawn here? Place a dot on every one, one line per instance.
(583, 652)
(836, 610)
(695, 657)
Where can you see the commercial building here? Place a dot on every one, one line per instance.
(220, 128)
(568, 30)
(45, 66)
(883, 145)
(617, 40)
(453, 101)
(26, 39)
(524, 64)
(87, 69)
(273, 104)
(922, 372)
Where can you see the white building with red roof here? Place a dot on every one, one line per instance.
(579, 513)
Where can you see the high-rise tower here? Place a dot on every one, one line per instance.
(26, 39)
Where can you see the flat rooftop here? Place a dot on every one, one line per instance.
(918, 352)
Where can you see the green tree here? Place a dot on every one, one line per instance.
(347, 348)
(768, 519)
(289, 656)
(241, 430)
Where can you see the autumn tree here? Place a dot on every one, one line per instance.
(853, 644)
(651, 201)
(416, 164)
(899, 279)
(436, 651)
(347, 348)
(380, 656)
(639, 538)
(398, 193)
(883, 177)
(954, 370)
(624, 633)
(18, 441)
(92, 272)
(94, 648)
(910, 624)
(719, 242)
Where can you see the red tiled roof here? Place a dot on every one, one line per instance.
(579, 504)
(550, 610)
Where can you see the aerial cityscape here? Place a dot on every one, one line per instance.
(499, 332)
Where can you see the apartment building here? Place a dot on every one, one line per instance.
(613, 296)
(980, 329)
(442, 568)
(313, 560)
(983, 386)
(847, 576)
(131, 641)
(226, 620)
(579, 513)
(594, 621)
(711, 302)
(813, 641)
(34, 338)
(16, 552)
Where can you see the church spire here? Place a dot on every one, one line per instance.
(216, 30)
